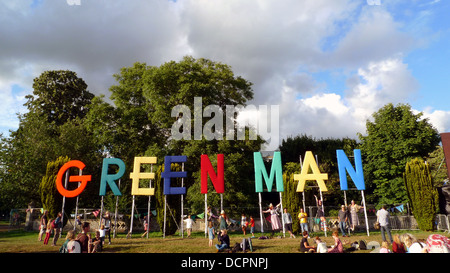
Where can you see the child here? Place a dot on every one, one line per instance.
(211, 232)
(70, 236)
(385, 247)
(48, 231)
(244, 224)
(102, 234)
(252, 226)
(96, 242)
(145, 227)
(189, 223)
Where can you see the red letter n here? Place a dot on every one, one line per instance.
(207, 169)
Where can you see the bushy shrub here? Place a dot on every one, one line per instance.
(423, 197)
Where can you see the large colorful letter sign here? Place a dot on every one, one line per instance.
(315, 175)
(73, 178)
(207, 168)
(276, 172)
(136, 175)
(168, 174)
(111, 178)
(344, 165)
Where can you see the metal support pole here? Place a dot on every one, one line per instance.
(282, 215)
(182, 203)
(165, 208)
(64, 198)
(206, 215)
(132, 217)
(116, 214)
(261, 213)
(365, 212)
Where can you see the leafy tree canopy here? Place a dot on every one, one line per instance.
(395, 135)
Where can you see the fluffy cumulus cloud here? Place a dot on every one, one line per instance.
(279, 47)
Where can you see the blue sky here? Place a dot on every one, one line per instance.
(328, 64)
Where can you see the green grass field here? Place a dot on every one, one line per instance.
(27, 242)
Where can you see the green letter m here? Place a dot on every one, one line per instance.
(275, 171)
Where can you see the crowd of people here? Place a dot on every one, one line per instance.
(404, 243)
(82, 242)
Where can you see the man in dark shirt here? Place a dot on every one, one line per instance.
(57, 228)
(84, 238)
(343, 217)
(304, 245)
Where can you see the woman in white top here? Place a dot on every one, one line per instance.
(412, 244)
(321, 246)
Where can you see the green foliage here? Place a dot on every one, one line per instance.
(173, 208)
(292, 200)
(50, 198)
(422, 195)
(438, 166)
(325, 149)
(141, 120)
(175, 83)
(52, 127)
(394, 136)
(60, 96)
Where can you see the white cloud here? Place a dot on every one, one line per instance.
(387, 81)
(440, 119)
(276, 46)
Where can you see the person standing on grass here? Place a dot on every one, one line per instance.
(252, 226)
(354, 209)
(244, 224)
(189, 223)
(287, 218)
(102, 233)
(211, 232)
(107, 222)
(42, 225)
(48, 231)
(223, 220)
(145, 227)
(274, 220)
(383, 219)
(57, 228)
(303, 218)
(343, 217)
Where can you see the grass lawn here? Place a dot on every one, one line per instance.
(26, 242)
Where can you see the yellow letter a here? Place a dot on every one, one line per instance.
(315, 175)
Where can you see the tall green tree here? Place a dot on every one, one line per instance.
(59, 96)
(292, 199)
(422, 194)
(50, 198)
(292, 148)
(395, 135)
(140, 120)
(52, 127)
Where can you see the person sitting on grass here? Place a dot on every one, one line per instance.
(304, 245)
(224, 240)
(321, 246)
(338, 247)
